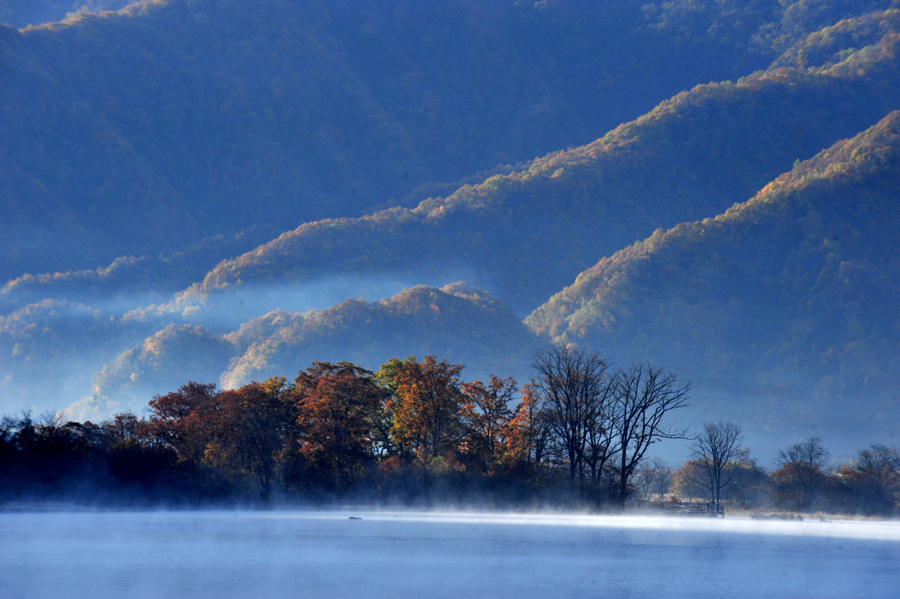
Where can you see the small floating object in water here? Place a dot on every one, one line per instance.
(355, 518)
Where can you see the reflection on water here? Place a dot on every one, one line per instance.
(409, 554)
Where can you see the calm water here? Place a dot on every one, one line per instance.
(403, 554)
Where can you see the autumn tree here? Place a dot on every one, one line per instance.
(801, 474)
(644, 396)
(426, 408)
(387, 377)
(873, 479)
(251, 429)
(687, 481)
(528, 432)
(717, 451)
(338, 409)
(179, 420)
(487, 417)
(123, 427)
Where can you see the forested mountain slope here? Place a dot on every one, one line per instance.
(525, 234)
(163, 122)
(147, 130)
(21, 13)
(459, 323)
(786, 308)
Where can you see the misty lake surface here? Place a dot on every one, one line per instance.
(430, 554)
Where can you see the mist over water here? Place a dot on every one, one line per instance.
(416, 554)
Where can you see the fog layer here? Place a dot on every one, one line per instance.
(385, 554)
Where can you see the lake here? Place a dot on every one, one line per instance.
(439, 554)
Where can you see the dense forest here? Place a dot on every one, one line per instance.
(192, 190)
(199, 118)
(187, 109)
(817, 296)
(413, 433)
(22, 13)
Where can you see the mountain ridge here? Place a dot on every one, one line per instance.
(789, 298)
(458, 322)
(497, 200)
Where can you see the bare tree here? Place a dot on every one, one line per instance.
(660, 476)
(653, 476)
(572, 384)
(599, 446)
(643, 479)
(875, 476)
(642, 398)
(717, 451)
(801, 474)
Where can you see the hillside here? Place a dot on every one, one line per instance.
(146, 130)
(457, 323)
(21, 13)
(520, 232)
(526, 234)
(784, 308)
(50, 349)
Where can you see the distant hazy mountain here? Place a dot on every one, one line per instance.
(786, 308)
(458, 323)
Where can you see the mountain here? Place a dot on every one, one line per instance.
(144, 131)
(50, 350)
(22, 13)
(140, 149)
(784, 308)
(524, 235)
(457, 323)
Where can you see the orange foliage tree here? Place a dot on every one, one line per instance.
(426, 409)
(487, 416)
(339, 409)
(178, 421)
(252, 430)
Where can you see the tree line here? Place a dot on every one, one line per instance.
(412, 430)
(721, 472)
(578, 432)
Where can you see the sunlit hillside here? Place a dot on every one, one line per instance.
(784, 308)
(525, 234)
(459, 323)
(145, 131)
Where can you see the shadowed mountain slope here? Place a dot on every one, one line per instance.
(785, 308)
(147, 130)
(521, 234)
(524, 235)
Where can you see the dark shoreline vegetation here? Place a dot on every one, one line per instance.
(414, 433)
